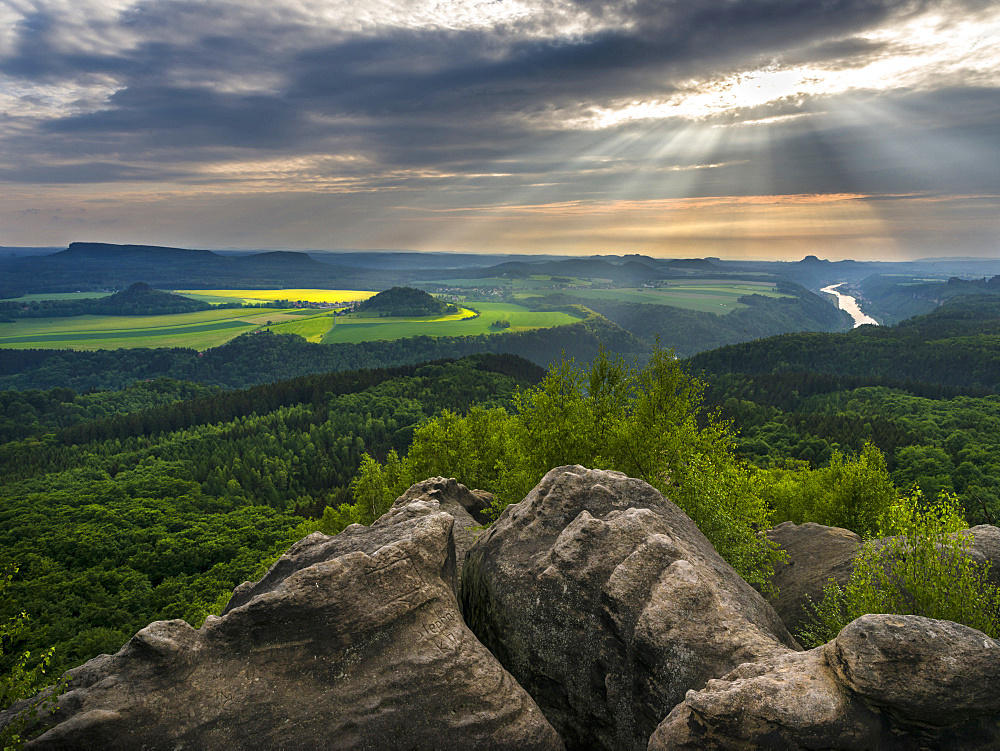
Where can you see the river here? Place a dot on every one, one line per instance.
(848, 303)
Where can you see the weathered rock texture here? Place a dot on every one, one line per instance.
(815, 554)
(469, 508)
(986, 548)
(354, 641)
(429, 496)
(886, 681)
(605, 601)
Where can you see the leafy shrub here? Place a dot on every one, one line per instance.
(21, 680)
(920, 567)
(646, 422)
(851, 492)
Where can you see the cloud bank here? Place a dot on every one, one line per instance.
(425, 123)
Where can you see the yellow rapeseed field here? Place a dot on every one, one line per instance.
(267, 295)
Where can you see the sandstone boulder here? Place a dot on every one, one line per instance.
(886, 681)
(607, 604)
(816, 554)
(985, 548)
(354, 641)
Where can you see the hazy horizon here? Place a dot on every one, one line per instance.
(752, 129)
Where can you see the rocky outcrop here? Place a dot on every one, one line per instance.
(598, 595)
(469, 509)
(433, 495)
(607, 604)
(815, 554)
(354, 641)
(885, 682)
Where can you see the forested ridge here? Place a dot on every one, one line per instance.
(925, 392)
(893, 300)
(956, 345)
(111, 534)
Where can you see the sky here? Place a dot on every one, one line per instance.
(864, 129)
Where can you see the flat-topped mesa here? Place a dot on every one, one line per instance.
(353, 641)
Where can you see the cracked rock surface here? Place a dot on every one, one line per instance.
(607, 604)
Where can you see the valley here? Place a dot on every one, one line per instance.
(151, 463)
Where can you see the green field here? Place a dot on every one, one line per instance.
(311, 326)
(211, 328)
(59, 296)
(706, 295)
(199, 330)
(360, 329)
(516, 284)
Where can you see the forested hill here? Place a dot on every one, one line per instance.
(265, 357)
(142, 300)
(690, 331)
(138, 300)
(925, 392)
(892, 299)
(159, 513)
(957, 344)
(405, 301)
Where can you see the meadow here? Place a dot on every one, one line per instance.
(211, 328)
(353, 328)
(199, 330)
(60, 296)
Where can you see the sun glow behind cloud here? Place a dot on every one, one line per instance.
(929, 51)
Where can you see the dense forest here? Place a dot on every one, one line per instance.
(925, 392)
(159, 512)
(33, 412)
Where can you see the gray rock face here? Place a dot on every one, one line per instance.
(354, 641)
(607, 604)
(467, 507)
(885, 682)
(985, 548)
(816, 554)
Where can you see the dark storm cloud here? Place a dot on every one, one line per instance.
(195, 78)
